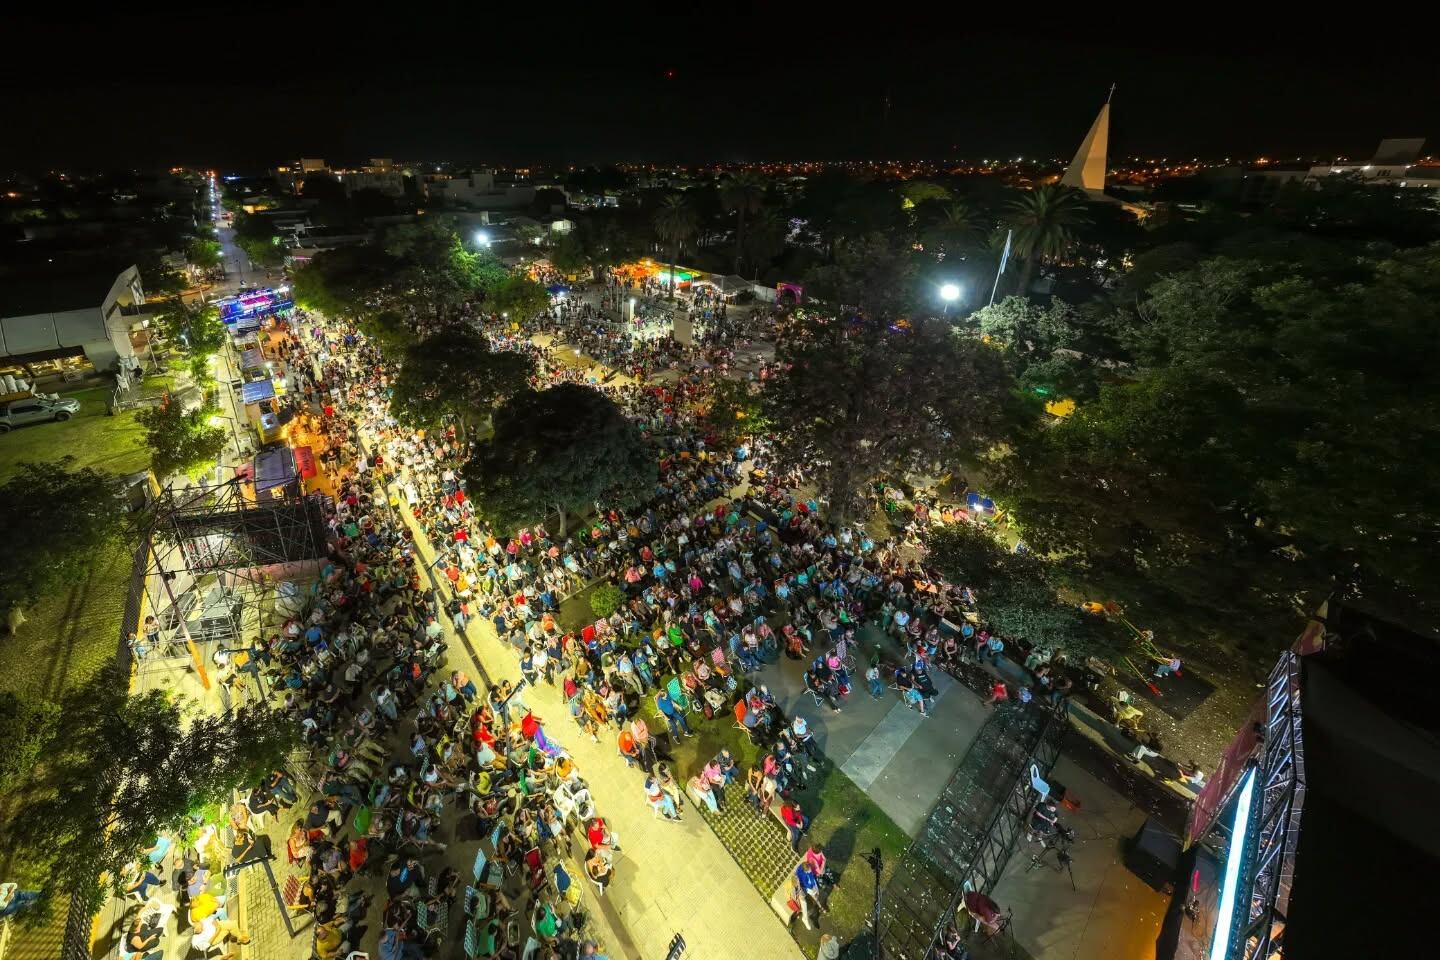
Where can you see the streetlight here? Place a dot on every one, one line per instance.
(949, 292)
(482, 239)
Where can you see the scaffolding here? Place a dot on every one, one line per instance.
(214, 557)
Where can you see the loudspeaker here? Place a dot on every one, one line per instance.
(1153, 855)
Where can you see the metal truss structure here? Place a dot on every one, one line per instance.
(1270, 861)
(215, 556)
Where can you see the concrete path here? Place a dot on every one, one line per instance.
(1110, 913)
(901, 759)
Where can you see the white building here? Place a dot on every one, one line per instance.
(387, 181)
(1394, 165)
(478, 190)
(61, 318)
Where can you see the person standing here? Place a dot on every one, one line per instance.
(673, 715)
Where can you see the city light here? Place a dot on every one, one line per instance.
(482, 239)
(216, 419)
(950, 292)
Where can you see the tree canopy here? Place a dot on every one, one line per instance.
(180, 441)
(97, 775)
(55, 517)
(1276, 441)
(559, 450)
(859, 397)
(520, 297)
(455, 374)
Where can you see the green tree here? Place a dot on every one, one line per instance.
(675, 222)
(519, 297)
(957, 229)
(1277, 443)
(874, 275)
(744, 194)
(203, 254)
(606, 599)
(181, 442)
(120, 768)
(1044, 220)
(561, 450)
(432, 272)
(342, 282)
(1016, 593)
(55, 517)
(455, 375)
(764, 238)
(735, 409)
(388, 330)
(860, 396)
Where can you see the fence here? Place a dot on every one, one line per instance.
(971, 831)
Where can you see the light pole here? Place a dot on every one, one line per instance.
(949, 293)
(215, 419)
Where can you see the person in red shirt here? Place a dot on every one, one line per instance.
(795, 821)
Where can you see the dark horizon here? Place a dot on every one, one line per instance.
(220, 92)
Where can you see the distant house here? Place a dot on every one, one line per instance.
(61, 318)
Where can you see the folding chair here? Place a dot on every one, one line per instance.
(565, 886)
(842, 653)
(677, 695)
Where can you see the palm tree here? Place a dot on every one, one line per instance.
(764, 239)
(675, 222)
(957, 229)
(1042, 220)
(742, 192)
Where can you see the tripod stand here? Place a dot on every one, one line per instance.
(1063, 860)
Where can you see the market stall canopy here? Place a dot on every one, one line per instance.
(273, 468)
(732, 283)
(257, 390)
(253, 357)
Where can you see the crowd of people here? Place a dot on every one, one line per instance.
(723, 570)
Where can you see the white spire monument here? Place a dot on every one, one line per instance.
(1087, 171)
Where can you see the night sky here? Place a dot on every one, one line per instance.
(245, 90)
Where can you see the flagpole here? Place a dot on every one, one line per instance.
(1004, 258)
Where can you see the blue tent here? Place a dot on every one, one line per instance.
(257, 390)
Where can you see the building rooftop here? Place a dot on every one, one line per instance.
(57, 287)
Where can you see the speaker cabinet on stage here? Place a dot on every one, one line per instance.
(1153, 855)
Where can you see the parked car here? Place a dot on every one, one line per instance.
(17, 413)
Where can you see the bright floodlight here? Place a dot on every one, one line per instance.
(216, 420)
(950, 292)
(482, 238)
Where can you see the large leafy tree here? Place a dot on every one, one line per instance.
(343, 282)
(1277, 443)
(860, 396)
(55, 517)
(953, 230)
(519, 297)
(744, 193)
(181, 441)
(1016, 592)
(432, 273)
(455, 375)
(99, 774)
(1044, 221)
(675, 222)
(203, 254)
(559, 451)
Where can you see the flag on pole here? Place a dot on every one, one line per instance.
(1004, 259)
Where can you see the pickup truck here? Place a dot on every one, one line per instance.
(17, 413)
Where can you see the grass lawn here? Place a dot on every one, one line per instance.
(843, 819)
(115, 444)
